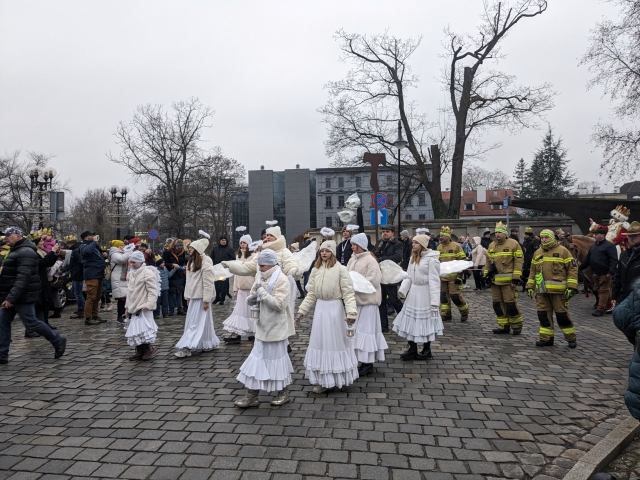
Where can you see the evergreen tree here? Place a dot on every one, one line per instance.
(519, 184)
(549, 175)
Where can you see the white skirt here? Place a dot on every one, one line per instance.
(142, 329)
(198, 328)
(330, 360)
(414, 322)
(369, 342)
(294, 293)
(240, 321)
(268, 367)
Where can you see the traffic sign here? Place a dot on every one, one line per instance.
(382, 217)
(379, 200)
(153, 234)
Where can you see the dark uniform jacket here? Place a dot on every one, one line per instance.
(19, 280)
(602, 258)
(75, 264)
(343, 252)
(627, 272)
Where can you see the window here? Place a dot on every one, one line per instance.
(327, 202)
(408, 217)
(340, 182)
(496, 206)
(328, 222)
(358, 182)
(389, 180)
(422, 199)
(340, 201)
(495, 193)
(422, 216)
(327, 183)
(469, 206)
(409, 201)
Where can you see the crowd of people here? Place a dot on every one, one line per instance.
(349, 321)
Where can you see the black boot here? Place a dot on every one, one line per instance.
(517, 331)
(411, 352)
(215, 301)
(499, 331)
(31, 334)
(50, 326)
(464, 317)
(545, 343)
(236, 339)
(365, 369)
(56, 313)
(446, 318)
(425, 354)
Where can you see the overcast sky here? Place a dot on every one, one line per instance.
(71, 70)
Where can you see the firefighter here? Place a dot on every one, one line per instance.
(451, 286)
(553, 280)
(504, 260)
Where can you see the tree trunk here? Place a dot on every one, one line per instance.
(461, 139)
(434, 184)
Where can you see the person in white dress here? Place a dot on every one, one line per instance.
(142, 295)
(268, 366)
(240, 323)
(419, 321)
(369, 342)
(199, 292)
(330, 361)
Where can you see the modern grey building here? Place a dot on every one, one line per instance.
(239, 215)
(335, 185)
(288, 197)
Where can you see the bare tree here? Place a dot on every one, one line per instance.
(160, 148)
(473, 176)
(614, 59)
(482, 98)
(591, 187)
(92, 211)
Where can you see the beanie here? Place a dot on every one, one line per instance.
(246, 239)
(159, 262)
(422, 240)
(361, 240)
(200, 245)
(329, 245)
(275, 231)
(404, 234)
(137, 257)
(117, 243)
(267, 257)
(134, 240)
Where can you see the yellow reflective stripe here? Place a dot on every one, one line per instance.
(569, 330)
(463, 308)
(445, 306)
(500, 254)
(462, 255)
(503, 276)
(553, 259)
(517, 319)
(556, 288)
(517, 272)
(546, 331)
(503, 321)
(518, 253)
(448, 254)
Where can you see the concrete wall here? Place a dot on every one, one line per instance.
(260, 200)
(297, 202)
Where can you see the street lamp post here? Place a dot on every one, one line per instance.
(41, 186)
(118, 195)
(400, 143)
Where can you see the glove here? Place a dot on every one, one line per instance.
(570, 292)
(252, 300)
(530, 292)
(435, 311)
(458, 280)
(261, 292)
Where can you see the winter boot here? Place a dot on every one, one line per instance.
(235, 340)
(573, 344)
(517, 331)
(31, 334)
(464, 317)
(545, 343)
(446, 318)
(171, 312)
(411, 352)
(137, 355)
(250, 400)
(425, 354)
(149, 352)
(282, 397)
(365, 369)
(499, 331)
(56, 313)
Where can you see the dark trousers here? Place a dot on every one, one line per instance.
(163, 304)
(477, 277)
(390, 296)
(175, 298)
(27, 313)
(121, 307)
(222, 288)
(77, 292)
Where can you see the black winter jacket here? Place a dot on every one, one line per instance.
(44, 263)
(391, 250)
(627, 272)
(19, 280)
(602, 258)
(406, 253)
(75, 264)
(178, 279)
(222, 254)
(485, 242)
(529, 247)
(344, 248)
(93, 263)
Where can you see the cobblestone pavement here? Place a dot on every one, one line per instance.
(485, 407)
(627, 465)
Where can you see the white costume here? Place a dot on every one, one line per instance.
(416, 321)
(240, 321)
(142, 292)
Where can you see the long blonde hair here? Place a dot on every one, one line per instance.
(330, 263)
(415, 256)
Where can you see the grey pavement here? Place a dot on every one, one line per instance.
(486, 406)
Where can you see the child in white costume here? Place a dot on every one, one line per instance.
(199, 292)
(142, 295)
(419, 321)
(240, 322)
(268, 367)
(330, 360)
(369, 342)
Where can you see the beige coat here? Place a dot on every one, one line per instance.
(367, 265)
(285, 259)
(330, 284)
(478, 254)
(200, 284)
(276, 318)
(241, 282)
(142, 289)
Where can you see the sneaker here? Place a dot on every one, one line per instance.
(319, 389)
(597, 313)
(109, 307)
(92, 321)
(102, 320)
(185, 352)
(31, 334)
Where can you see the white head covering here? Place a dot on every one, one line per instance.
(246, 239)
(360, 239)
(267, 257)
(137, 257)
(200, 245)
(329, 245)
(422, 240)
(275, 231)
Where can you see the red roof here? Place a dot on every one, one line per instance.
(475, 208)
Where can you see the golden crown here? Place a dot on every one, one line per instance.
(623, 210)
(501, 225)
(70, 238)
(44, 231)
(34, 236)
(446, 230)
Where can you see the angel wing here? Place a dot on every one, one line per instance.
(222, 273)
(454, 266)
(361, 284)
(305, 257)
(392, 273)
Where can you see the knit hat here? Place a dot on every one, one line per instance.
(267, 257)
(295, 247)
(134, 240)
(137, 257)
(361, 240)
(547, 233)
(404, 234)
(200, 245)
(10, 230)
(422, 240)
(528, 230)
(117, 243)
(159, 262)
(275, 231)
(246, 239)
(329, 245)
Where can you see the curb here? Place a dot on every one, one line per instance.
(605, 450)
